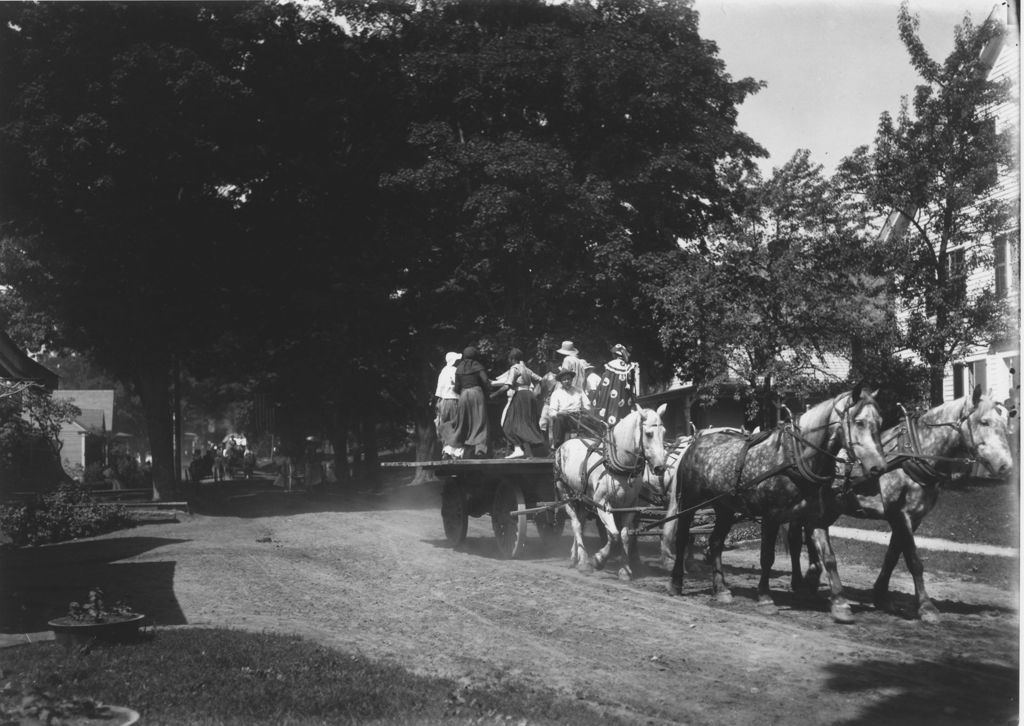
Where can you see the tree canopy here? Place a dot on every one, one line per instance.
(318, 209)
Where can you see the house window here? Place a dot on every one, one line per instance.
(1007, 262)
(955, 263)
(958, 380)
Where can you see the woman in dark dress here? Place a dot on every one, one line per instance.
(471, 383)
(617, 391)
(520, 421)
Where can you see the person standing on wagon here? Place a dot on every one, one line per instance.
(471, 382)
(447, 405)
(521, 416)
(617, 391)
(573, 362)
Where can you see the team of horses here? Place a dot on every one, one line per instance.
(833, 459)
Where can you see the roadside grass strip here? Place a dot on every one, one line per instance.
(229, 677)
(927, 543)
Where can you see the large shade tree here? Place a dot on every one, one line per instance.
(549, 147)
(127, 132)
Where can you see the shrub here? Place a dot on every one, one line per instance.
(68, 513)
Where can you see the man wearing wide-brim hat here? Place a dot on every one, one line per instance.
(572, 362)
(565, 407)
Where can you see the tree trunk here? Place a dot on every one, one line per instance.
(154, 391)
(177, 420)
(339, 440)
(428, 448)
(936, 374)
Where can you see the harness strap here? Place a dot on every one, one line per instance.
(914, 462)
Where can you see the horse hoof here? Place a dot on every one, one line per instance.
(585, 566)
(765, 606)
(723, 598)
(675, 589)
(843, 614)
(597, 563)
(625, 575)
(929, 614)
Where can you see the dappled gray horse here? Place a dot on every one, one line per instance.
(927, 450)
(776, 476)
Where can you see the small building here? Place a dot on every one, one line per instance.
(84, 441)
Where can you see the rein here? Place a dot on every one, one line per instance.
(604, 452)
(915, 462)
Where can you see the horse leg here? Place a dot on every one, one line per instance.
(675, 584)
(903, 534)
(668, 534)
(769, 533)
(577, 552)
(840, 608)
(812, 579)
(799, 538)
(630, 552)
(608, 520)
(716, 544)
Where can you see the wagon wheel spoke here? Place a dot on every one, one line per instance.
(509, 530)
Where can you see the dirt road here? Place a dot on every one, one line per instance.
(376, 576)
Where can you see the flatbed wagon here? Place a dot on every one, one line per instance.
(497, 487)
(514, 492)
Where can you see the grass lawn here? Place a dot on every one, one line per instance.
(216, 676)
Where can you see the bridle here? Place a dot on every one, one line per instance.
(614, 462)
(844, 421)
(920, 468)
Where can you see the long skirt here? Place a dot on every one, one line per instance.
(447, 420)
(521, 423)
(471, 419)
(613, 399)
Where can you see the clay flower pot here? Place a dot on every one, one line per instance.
(72, 633)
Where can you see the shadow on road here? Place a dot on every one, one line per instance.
(38, 583)
(949, 691)
(260, 498)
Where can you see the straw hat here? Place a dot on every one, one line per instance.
(568, 348)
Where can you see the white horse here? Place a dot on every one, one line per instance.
(663, 487)
(605, 474)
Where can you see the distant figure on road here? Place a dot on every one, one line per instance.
(248, 462)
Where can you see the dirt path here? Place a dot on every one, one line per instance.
(378, 578)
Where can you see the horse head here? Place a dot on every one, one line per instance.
(859, 425)
(648, 434)
(984, 427)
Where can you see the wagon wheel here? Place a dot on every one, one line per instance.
(509, 530)
(550, 524)
(454, 512)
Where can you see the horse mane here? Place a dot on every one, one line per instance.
(947, 410)
(818, 415)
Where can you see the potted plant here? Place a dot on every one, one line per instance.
(94, 622)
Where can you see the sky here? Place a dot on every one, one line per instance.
(832, 66)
